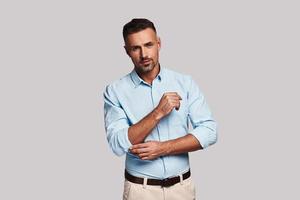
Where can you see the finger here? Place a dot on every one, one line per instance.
(170, 93)
(173, 94)
(140, 150)
(141, 155)
(174, 101)
(175, 104)
(149, 157)
(137, 146)
(167, 108)
(177, 98)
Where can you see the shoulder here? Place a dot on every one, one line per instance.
(182, 78)
(118, 85)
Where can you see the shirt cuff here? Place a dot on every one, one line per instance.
(205, 136)
(123, 139)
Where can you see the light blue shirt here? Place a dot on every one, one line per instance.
(128, 100)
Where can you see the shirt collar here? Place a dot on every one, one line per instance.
(137, 80)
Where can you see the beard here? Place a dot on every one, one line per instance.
(143, 69)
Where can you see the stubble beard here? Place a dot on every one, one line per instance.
(143, 69)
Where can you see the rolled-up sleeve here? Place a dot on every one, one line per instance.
(116, 123)
(204, 126)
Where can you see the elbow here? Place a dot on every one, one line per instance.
(115, 147)
(118, 152)
(118, 142)
(213, 133)
(214, 138)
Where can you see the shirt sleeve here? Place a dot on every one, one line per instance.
(204, 126)
(116, 123)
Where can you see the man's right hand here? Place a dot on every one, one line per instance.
(139, 131)
(167, 103)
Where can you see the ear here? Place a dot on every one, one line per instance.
(158, 43)
(127, 52)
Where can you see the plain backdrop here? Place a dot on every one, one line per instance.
(56, 58)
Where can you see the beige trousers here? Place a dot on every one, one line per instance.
(185, 190)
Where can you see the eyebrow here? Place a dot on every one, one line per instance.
(147, 43)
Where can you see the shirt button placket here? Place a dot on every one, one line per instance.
(161, 135)
(155, 103)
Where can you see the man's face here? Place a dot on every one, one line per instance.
(143, 49)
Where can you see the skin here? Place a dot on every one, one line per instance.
(143, 48)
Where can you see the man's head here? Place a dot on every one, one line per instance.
(136, 25)
(142, 44)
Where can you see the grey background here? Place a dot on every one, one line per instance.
(57, 56)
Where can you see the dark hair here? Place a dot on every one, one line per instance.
(136, 25)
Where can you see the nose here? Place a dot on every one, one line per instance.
(143, 53)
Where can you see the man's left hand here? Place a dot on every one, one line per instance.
(149, 150)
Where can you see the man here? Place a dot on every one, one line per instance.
(147, 113)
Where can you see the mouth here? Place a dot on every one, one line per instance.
(145, 62)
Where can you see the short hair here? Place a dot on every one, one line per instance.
(136, 25)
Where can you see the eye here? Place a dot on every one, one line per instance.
(150, 44)
(134, 48)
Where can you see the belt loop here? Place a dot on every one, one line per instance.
(145, 182)
(181, 179)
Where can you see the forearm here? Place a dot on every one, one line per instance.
(153, 149)
(183, 144)
(139, 131)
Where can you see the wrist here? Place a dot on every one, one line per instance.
(167, 147)
(158, 115)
